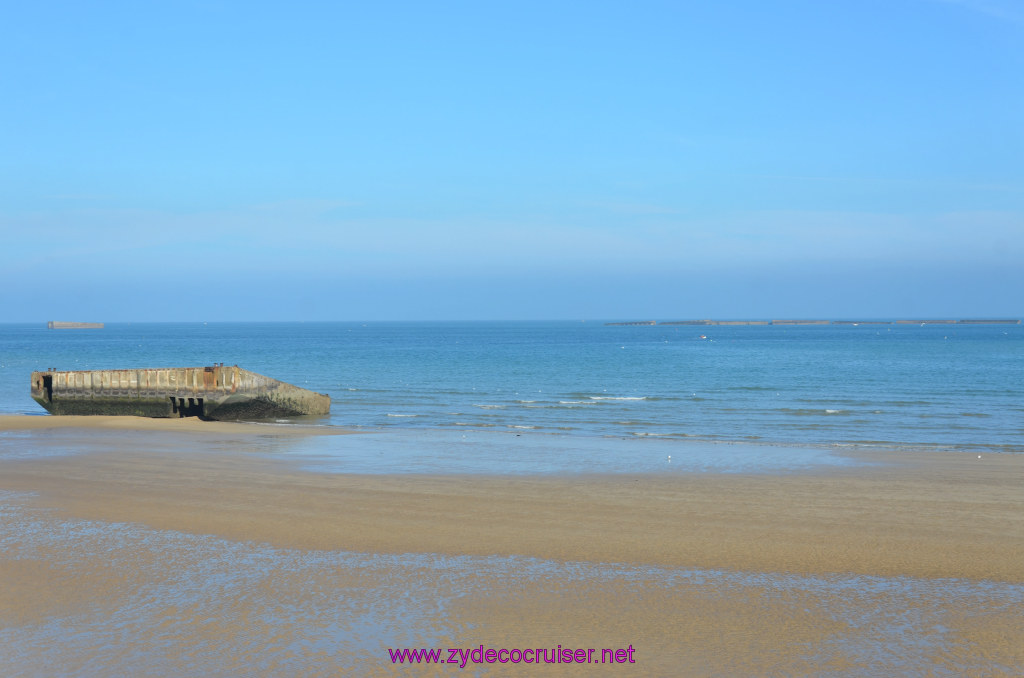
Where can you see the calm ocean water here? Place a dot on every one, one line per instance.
(932, 386)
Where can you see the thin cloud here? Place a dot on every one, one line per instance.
(999, 10)
(631, 208)
(85, 197)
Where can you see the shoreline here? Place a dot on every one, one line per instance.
(866, 449)
(26, 422)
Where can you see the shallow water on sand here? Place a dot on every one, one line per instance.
(406, 451)
(135, 601)
(472, 452)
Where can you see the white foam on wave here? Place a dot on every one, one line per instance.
(618, 398)
(402, 415)
(490, 407)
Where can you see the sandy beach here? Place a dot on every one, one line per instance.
(703, 574)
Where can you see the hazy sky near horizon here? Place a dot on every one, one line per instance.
(220, 160)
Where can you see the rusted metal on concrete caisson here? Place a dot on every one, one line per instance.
(218, 392)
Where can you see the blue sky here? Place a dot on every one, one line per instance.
(529, 160)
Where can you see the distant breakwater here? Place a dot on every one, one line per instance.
(66, 325)
(968, 321)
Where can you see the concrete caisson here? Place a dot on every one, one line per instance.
(217, 392)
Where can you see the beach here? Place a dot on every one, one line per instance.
(799, 573)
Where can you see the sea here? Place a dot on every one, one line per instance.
(729, 391)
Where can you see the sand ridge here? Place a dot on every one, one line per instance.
(18, 422)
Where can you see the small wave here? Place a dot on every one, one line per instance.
(809, 412)
(576, 402)
(839, 401)
(524, 427)
(402, 415)
(618, 398)
(490, 407)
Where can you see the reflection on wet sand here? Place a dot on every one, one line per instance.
(173, 554)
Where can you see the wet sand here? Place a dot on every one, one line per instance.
(704, 574)
(19, 422)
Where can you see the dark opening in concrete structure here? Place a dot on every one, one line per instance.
(48, 386)
(187, 407)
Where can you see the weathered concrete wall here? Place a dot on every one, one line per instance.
(217, 392)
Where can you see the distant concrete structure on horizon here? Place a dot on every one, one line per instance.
(65, 325)
(969, 321)
(636, 322)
